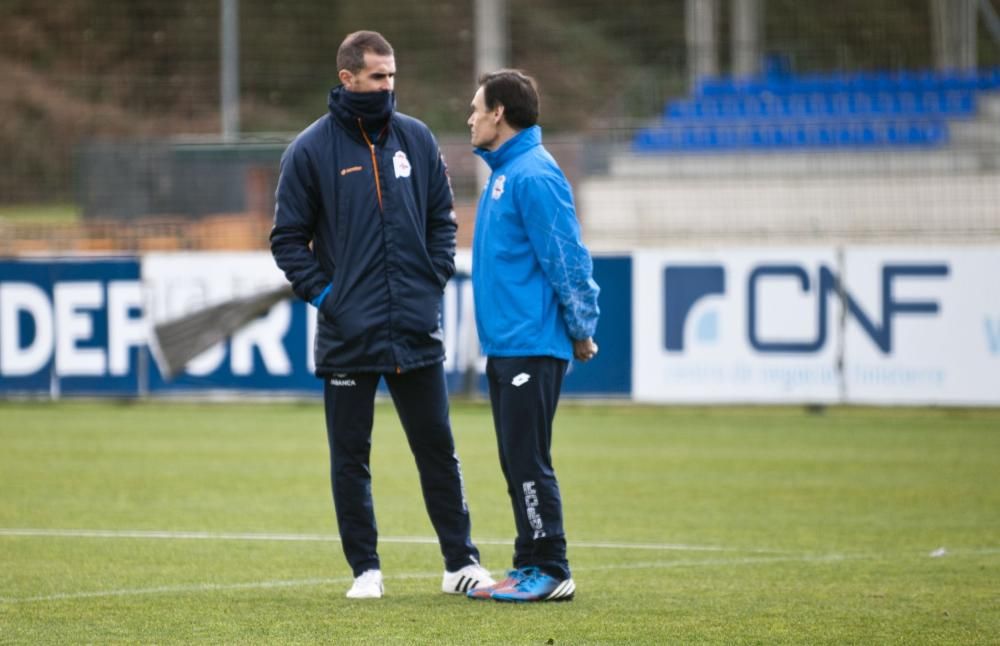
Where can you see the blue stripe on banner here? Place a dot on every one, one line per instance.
(610, 372)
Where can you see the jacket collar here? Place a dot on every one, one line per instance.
(341, 112)
(514, 147)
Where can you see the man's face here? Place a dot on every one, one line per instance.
(483, 123)
(378, 74)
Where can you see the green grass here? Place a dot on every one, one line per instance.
(686, 525)
(40, 213)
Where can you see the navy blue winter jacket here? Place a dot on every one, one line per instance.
(370, 216)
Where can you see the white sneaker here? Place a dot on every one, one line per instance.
(468, 578)
(367, 586)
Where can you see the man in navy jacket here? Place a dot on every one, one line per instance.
(364, 230)
(536, 309)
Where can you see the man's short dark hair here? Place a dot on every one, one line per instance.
(351, 55)
(516, 92)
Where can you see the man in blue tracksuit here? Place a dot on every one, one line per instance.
(536, 309)
(364, 230)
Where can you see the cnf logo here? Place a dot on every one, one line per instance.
(686, 285)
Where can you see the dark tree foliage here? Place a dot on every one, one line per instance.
(82, 68)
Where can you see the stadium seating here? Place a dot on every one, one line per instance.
(784, 111)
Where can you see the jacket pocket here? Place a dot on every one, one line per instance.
(337, 318)
(420, 312)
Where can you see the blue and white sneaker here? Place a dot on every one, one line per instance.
(536, 585)
(486, 592)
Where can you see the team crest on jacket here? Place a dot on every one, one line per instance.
(498, 186)
(401, 164)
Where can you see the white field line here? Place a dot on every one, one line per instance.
(175, 589)
(423, 540)
(258, 585)
(298, 583)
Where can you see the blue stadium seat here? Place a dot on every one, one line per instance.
(782, 110)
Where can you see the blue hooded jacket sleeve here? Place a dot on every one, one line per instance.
(552, 228)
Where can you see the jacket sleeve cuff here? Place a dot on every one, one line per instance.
(318, 299)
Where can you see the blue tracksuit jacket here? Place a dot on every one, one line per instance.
(531, 274)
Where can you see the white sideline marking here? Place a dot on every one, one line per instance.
(172, 589)
(297, 583)
(422, 540)
(259, 585)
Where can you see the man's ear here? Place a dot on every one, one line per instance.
(498, 113)
(346, 78)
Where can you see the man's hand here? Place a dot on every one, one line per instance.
(584, 349)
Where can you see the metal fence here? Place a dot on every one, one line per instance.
(113, 106)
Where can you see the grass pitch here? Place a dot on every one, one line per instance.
(181, 523)
(40, 213)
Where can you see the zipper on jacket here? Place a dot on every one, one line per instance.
(378, 190)
(371, 148)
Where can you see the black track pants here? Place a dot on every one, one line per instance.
(421, 400)
(524, 393)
